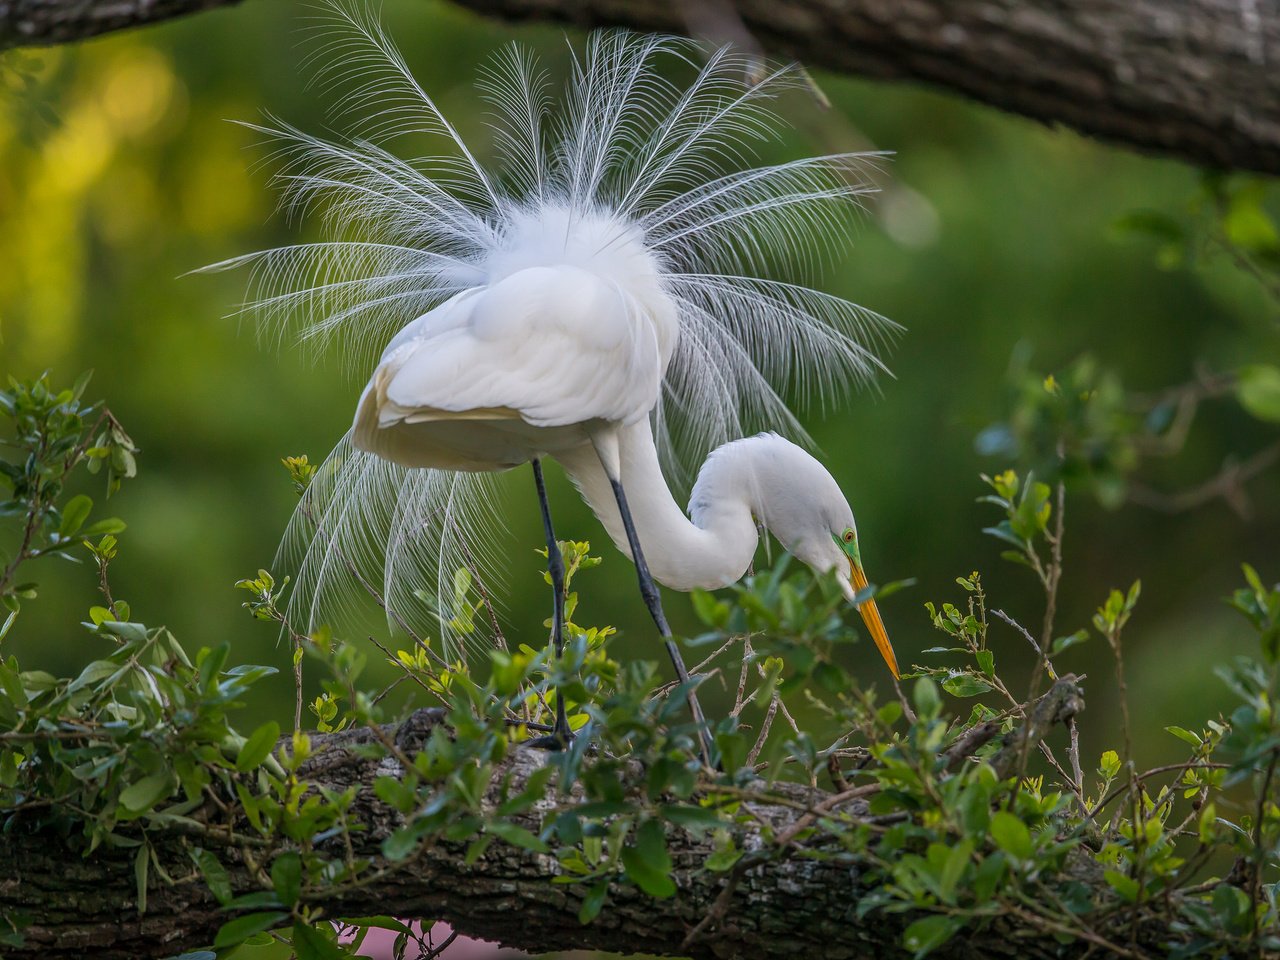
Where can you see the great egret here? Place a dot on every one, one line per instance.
(598, 299)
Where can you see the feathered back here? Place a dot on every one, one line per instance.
(666, 161)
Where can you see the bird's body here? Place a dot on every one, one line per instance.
(553, 362)
(601, 302)
(555, 347)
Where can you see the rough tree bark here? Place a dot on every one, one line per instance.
(1196, 79)
(775, 909)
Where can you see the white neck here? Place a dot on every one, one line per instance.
(710, 551)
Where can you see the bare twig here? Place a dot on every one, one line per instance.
(1259, 854)
(1064, 700)
(764, 729)
(1228, 484)
(1073, 752)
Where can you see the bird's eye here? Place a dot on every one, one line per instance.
(848, 536)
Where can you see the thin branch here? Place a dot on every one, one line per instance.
(1228, 485)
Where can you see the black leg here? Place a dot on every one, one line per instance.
(652, 600)
(560, 734)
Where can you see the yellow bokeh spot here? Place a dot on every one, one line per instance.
(137, 91)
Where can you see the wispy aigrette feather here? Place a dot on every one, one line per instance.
(626, 158)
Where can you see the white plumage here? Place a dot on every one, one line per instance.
(600, 296)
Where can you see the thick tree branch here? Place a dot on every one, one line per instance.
(46, 22)
(775, 908)
(1197, 80)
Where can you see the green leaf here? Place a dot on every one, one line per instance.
(648, 863)
(1258, 390)
(724, 858)
(925, 695)
(258, 747)
(140, 797)
(74, 514)
(1185, 735)
(593, 901)
(400, 843)
(12, 685)
(1109, 765)
(211, 663)
(986, 662)
(141, 863)
(1127, 887)
(310, 944)
(95, 672)
(1065, 643)
(928, 933)
(215, 875)
(112, 525)
(712, 612)
(1151, 224)
(692, 817)
(1011, 835)
(733, 751)
(965, 685)
(242, 928)
(1247, 224)
(286, 877)
(988, 876)
(517, 836)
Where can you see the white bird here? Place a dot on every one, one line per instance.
(597, 300)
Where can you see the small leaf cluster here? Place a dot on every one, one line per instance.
(1226, 215)
(1077, 425)
(46, 434)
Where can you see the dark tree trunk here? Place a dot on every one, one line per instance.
(1194, 79)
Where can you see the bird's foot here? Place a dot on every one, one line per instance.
(555, 740)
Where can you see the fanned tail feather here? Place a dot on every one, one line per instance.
(370, 533)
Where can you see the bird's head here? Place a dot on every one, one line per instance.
(847, 541)
(795, 497)
(832, 545)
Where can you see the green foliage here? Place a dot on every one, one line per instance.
(50, 434)
(950, 823)
(1077, 426)
(1227, 216)
(1082, 427)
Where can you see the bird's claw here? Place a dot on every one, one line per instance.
(555, 740)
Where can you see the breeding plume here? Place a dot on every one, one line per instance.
(615, 289)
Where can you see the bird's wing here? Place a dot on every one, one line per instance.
(549, 345)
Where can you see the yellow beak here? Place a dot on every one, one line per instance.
(871, 617)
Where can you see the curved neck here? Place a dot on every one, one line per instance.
(711, 551)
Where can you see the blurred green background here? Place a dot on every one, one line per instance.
(119, 173)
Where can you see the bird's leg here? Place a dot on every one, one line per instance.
(560, 734)
(652, 600)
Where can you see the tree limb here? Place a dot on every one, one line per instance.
(46, 22)
(773, 907)
(1196, 80)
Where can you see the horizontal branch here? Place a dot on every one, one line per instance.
(1197, 79)
(46, 22)
(776, 907)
